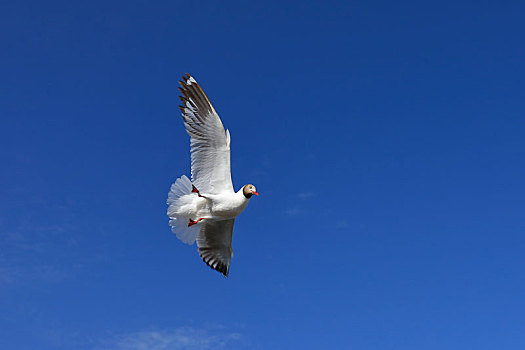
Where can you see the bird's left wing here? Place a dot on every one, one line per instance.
(210, 143)
(215, 244)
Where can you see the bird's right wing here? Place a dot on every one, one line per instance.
(215, 244)
(210, 143)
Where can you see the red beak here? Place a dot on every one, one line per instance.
(256, 193)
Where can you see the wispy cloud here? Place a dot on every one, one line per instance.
(180, 338)
(293, 211)
(342, 223)
(305, 195)
(11, 274)
(298, 207)
(7, 275)
(30, 251)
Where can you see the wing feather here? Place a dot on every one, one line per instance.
(215, 244)
(210, 143)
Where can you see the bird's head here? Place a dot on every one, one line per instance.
(249, 190)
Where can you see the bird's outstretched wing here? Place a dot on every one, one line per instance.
(215, 244)
(210, 143)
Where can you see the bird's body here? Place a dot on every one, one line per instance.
(221, 206)
(204, 209)
(226, 205)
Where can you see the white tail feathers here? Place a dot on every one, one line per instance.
(179, 188)
(180, 204)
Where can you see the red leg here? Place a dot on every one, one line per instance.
(195, 190)
(191, 223)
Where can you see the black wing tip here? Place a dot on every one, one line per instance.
(191, 92)
(185, 78)
(220, 267)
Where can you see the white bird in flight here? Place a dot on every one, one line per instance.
(204, 209)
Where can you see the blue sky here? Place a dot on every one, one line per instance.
(386, 140)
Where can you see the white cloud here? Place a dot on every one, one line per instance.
(342, 223)
(293, 211)
(33, 252)
(181, 338)
(26, 257)
(18, 274)
(7, 275)
(305, 195)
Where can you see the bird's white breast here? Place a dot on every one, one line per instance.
(228, 206)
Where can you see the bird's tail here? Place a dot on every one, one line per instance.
(180, 199)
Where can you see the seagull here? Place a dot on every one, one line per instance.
(204, 209)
